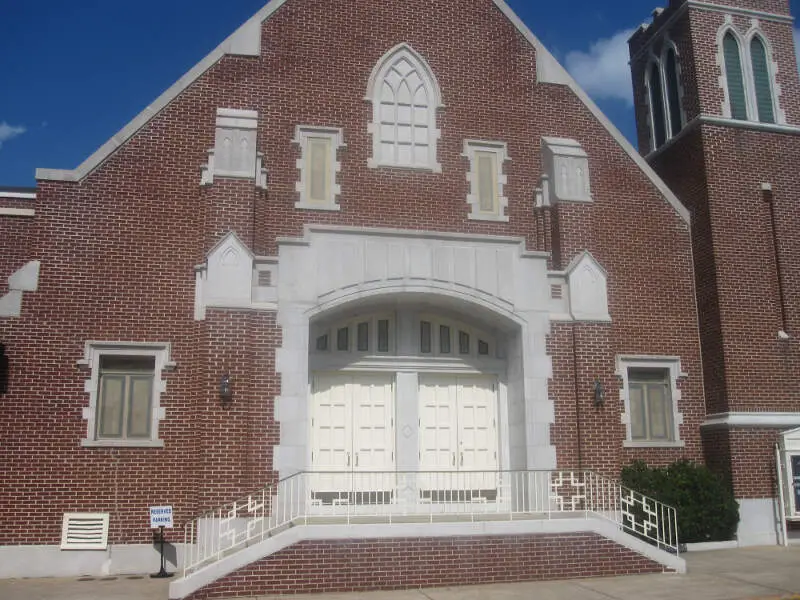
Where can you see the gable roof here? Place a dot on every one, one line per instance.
(246, 41)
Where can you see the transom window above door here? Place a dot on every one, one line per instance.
(442, 337)
(358, 335)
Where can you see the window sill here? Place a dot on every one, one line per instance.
(314, 206)
(374, 164)
(493, 218)
(122, 443)
(635, 444)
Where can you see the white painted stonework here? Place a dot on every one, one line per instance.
(234, 153)
(24, 279)
(491, 279)
(567, 165)
(588, 289)
(232, 277)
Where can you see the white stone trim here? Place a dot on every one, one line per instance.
(93, 350)
(500, 151)
(245, 41)
(18, 195)
(550, 71)
(17, 212)
(752, 419)
(24, 279)
(624, 362)
(566, 165)
(434, 93)
(336, 136)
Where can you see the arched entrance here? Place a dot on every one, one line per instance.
(408, 352)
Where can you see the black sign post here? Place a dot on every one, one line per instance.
(163, 571)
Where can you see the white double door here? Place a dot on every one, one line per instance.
(352, 435)
(458, 435)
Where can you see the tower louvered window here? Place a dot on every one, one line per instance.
(735, 77)
(657, 106)
(762, 81)
(673, 94)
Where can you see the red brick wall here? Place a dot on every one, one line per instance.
(408, 563)
(118, 253)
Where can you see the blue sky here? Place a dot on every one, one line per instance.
(74, 73)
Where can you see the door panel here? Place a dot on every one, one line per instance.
(352, 431)
(458, 436)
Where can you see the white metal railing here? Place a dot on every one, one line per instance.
(424, 496)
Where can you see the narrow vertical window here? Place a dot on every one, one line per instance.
(657, 107)
(425, 337)
(673, 92)
(463, 342)
(363, 337)
(444, 339)
(318, 167)
(734, 76)
(322, 343)
(343, 339)
(383, 335)
(487, 180)
(320, 171)
(762, 81)
(650, 405)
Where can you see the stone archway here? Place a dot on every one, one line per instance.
(332, 267)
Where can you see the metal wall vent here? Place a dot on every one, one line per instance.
(84, 531)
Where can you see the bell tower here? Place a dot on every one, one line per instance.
(717, 101)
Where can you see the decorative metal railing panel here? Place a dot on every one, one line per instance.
(424, 496)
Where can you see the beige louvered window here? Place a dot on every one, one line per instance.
(125, 399)
(319, 172)
(84, 531)
(487, 181)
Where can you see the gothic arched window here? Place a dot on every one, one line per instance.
(762, 82)
(405, 97)
(673, 92)
(734, 76)
(658, 122)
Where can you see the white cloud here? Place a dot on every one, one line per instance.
(797, 46)
(8, 132)
(603, 71)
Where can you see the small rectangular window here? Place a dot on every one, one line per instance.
(383, 335)
(363, 337)
(125, 397)
(651, 410)
(483, 348)
(444, 339)
(425, 337)
(343, 339)
(463, 342)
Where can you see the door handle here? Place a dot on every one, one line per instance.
(348, 459)
(356, 458)
(462, 459)
(454, 459)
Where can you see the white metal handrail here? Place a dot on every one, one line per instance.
(423, 496)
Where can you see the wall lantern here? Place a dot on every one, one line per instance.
(599, 393)
(225, 389)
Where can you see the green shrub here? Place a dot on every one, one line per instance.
(707, 510)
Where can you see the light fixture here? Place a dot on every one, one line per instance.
(599, 393)
(225, 389)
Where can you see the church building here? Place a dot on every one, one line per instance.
(376, 297)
